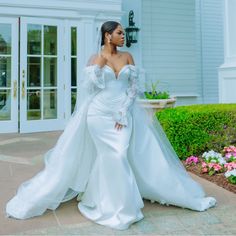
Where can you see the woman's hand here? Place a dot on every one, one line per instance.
(118, 126)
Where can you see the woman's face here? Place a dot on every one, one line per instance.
(118, 36)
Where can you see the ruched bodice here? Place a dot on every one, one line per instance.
(110, 99)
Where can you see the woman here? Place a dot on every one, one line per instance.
(111, 155)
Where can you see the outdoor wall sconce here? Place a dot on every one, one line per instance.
(131, 31)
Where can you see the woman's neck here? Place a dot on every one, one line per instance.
(109, 49)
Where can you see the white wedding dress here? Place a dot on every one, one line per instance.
(110, 170)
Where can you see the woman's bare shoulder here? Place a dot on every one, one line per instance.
(92, 60)
(128, 57)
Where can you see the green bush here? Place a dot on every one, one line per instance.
(198, 128)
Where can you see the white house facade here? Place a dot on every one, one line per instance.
(227, 71)
(44, 46)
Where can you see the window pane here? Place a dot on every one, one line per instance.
(73, 98)
(5, 104)
(5, 39)
(50, 71)
(33, 104)
(73, 41)
(50, 104)
(73, 71)
(5, 72)
(50, 40)
(34, 39)
(34, 72)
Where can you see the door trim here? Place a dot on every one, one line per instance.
(11, 126)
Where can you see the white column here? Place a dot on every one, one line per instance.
(227, 71)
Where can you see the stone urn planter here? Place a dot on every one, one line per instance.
(154, 105)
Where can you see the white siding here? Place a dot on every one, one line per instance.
(182, 46)
(210, 15)
(169, 47)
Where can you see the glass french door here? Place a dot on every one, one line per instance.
(73, 61)
(41, 82)
(8, 75)
(40, 69)
(73, 51)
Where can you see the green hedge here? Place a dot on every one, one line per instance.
(198, 128)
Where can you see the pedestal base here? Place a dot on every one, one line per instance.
(154, 105)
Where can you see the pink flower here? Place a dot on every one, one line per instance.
(227, 149)
(217, 167)
(204, 170)
(211, 165)
(230, 166)
(192, 160)
(204, 164)
(228, 155)
(231, 150)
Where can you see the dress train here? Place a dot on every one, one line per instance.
(110, 170)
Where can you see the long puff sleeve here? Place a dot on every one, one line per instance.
(132, 92)
(91, 83)
(94, 76)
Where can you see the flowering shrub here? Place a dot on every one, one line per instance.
(230, 149)
(231, 176)
(230, 166)
(214, 157)
(213, 163)
(211, 168)
(230, 153)
(192, 160)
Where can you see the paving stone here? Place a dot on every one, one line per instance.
(25, 152)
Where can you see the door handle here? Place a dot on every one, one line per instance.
(23, 89)
(15, 89)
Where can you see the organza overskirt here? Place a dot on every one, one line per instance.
(111, 170)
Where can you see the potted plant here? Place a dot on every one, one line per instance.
(154, 100)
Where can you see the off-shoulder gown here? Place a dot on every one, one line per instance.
(110, 170)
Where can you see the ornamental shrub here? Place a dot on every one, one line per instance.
(195, 129)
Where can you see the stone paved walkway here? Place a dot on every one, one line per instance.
(21, 156)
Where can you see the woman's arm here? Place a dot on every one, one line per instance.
(132, 92)
(93, 74)
(130, 59)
